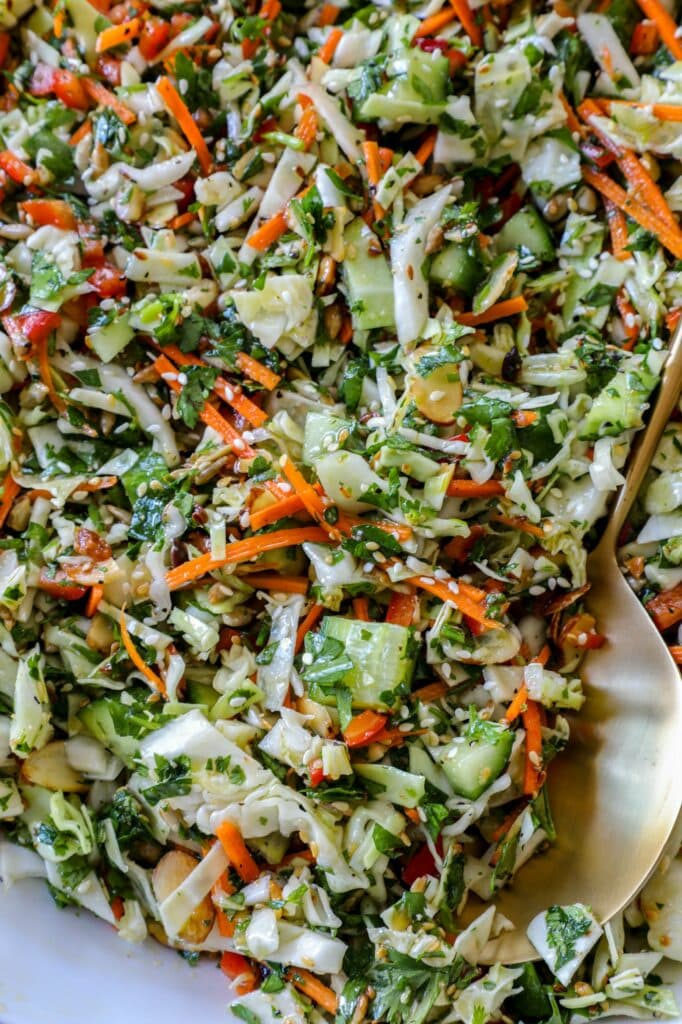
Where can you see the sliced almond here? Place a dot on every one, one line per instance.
(49, 767)
(171, 871)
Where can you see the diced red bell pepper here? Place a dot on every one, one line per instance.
(4, 47)
(666, 607)
(66, 86)
(644, 39)
(108, 282)
(60, 586)
(422, 863)
(155, 35)
(56, 212)
(16, 169)
(109, 68)
(33, 327)
(316, 772)
(364, 728)
(234, 965)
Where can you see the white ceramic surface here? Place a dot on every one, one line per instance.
(62, 967)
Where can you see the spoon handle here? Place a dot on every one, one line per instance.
(647, 441)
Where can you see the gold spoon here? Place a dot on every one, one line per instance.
(616, 791)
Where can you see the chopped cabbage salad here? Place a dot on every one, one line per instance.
(326, 330)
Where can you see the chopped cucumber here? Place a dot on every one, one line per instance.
(97, 720)
(497, 282)
(473, 761)
(422, 763)
(200, 693)
(383, 659)
(368, 280)
(415, 92)
(413, 464)
(527, 232)
(620, 405)
(87, 24)
(324, 433)
(109, 340)
(235, 700)
(401, 788)
(459, 266)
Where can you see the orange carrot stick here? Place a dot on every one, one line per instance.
(230, 393)
(255, 370)
(618, 228)
(117, 35)
(312, 987)
(532, 723)
(470, 489)
(10, 489)
(41, 350)
(508, 307)
(646, 218)
(432, 26)
(307, 624)
(472, 29)
(401, 608)
(328, 48)
(176, 107)
(361, 608)
(99, 94)
(237, 852)
(80, 133)
(307, 127)
(328, 15)
(519, 523)
(427, 694)
(94, 598)
(456, 596)
(243, 551)
(656, 12)
(373, 165)
(137, 660)
(281, 509)
(426, 148)
(268, 232)
(273, 581)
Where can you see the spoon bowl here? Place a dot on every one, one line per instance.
(616, 791)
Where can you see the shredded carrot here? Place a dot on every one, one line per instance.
(628, 315)
(226, 927)
(269, 231)
(80, 133)
(572, 122)
(272, 581)
(470, 489)
(618, 229)
(426, 148)
(646, 218)
(97, 483)
(94, 598)
(328, 48)
(10, 489)
(41, 351)
(519, 523)
(117, 35)
(232, 394)
(328, 15)
(281, 509)
(242, 551)
(361, 608)
(99, 94)
(472, 29)
(312, 987)
(311, 499)
(520, 700)
(307, 624)
(137, 660)
(255, 370)
(427, 694)
(385, 158)
(413, 814)
(401, 608)
(175, 106)
(58, 23)
(456, 596)
(432, 26)
(364, 728)
(270, 9)
(656, 12)
(209, 415)
(307, 127)
(532, 723)
(373, 165)
(508, 307)
(644, 39)
(346, 332)
(181, 220)
(237, 852)
(524, 417)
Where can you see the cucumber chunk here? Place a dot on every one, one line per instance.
(368, 280)
(472, 762)
(527, 232)
(383, 659)
(321, 433)
(97, 720)
(459, 267)
(401, 788)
